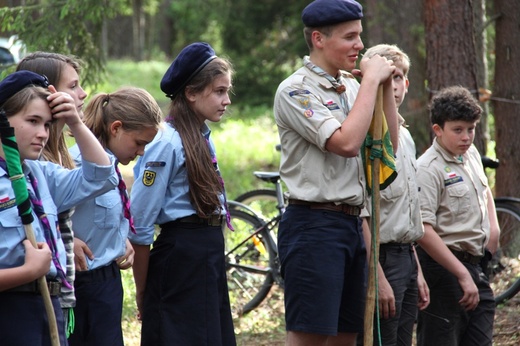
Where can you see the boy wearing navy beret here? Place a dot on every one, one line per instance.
(323, 115)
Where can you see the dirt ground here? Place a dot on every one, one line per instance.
(507, 324)
(265, 327)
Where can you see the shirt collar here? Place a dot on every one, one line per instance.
(447, 156)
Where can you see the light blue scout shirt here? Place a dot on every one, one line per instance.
(60, 189)
(160, 192)
(100, 223)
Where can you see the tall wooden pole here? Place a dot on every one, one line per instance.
(374, 226)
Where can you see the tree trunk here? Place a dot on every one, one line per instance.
(404, 28)
(506, 97)
(138, 29)
(482, 135)
(451, 56)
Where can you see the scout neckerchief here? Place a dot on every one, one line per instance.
(215, 164)
(37, 206)
(123, 192)
(340, 88)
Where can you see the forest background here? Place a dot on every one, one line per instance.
(474, 43)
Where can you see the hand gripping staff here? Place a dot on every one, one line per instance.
(380, 172)
(19, 184)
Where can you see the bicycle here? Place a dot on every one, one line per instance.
(504, 267)
(267, 202)
(251, 252)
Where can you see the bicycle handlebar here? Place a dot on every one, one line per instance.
(488, 162)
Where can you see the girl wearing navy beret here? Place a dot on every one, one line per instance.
(181, 285)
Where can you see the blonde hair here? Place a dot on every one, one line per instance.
(134, 107)
(392, 52)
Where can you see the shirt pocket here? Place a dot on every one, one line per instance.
(393, 191)
(107, 213)
(12, 233)
(458, 199)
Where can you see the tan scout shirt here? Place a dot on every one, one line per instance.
(399, 209)
(308, 110)
(454, 199)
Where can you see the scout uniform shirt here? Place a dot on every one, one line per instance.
(400, 213)
(454, 199)
(160, 192)
(308, 110)
(60, 189)
(100, 223)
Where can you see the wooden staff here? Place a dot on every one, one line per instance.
(374, 227)
(19, 184)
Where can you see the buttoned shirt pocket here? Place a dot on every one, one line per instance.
(105, 214)
(11, 234)
(395, 190)
(458, 198)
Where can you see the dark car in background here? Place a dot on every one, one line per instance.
(12, 50)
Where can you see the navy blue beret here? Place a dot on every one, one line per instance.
(190, 61)
(329, 12)
(19, 80)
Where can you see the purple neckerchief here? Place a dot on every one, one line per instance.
(124, 198)
(37, 206)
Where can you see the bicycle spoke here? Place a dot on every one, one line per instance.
(505, 266)
(248, 261)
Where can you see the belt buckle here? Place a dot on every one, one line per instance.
(350, 210)
(54, 288)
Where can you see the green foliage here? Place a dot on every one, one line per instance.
(263, 39)
(196, 20)
(67, 26)
(265, 46)
(245, 138)
(121, 73)
(244, 146)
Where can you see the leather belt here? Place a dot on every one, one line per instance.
(464, 256)
(32, 287)
(343, 208)
(211, 220)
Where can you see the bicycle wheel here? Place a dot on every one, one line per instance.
(264, 201)
(505, 266)
(249, 259)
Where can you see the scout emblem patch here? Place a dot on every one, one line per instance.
(149, 178)
(451, 177)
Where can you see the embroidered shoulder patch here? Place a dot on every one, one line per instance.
(299, 92)
(149, 178)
